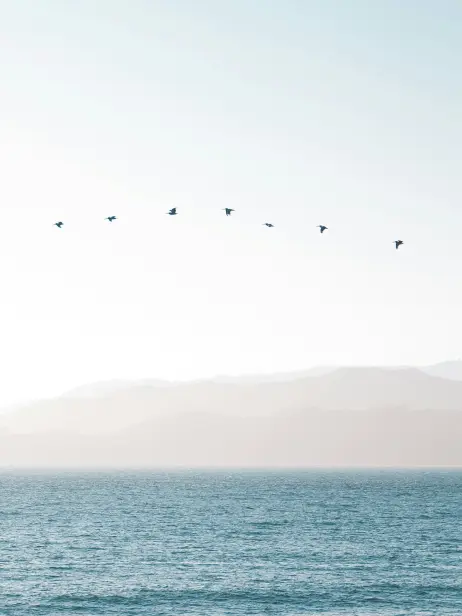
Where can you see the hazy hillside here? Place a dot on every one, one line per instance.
(342, 389)
(311, 438)
(107, 388)
(349, 416)
(446, 370)
(277, 377)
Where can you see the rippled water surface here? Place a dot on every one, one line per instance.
(237, 543)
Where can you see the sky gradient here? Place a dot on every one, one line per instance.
(295, 113)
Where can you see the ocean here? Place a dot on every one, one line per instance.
(298, 543)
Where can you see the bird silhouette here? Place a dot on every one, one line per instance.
(172, 212)
(322, 228)
(267, 224)
(228, 211)
(398, 243)
(58, 224)
(111, 218)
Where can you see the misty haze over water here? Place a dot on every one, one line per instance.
(325, 417)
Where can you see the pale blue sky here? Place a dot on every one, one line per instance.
(297, 113)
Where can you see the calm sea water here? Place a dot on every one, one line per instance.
(237, 543)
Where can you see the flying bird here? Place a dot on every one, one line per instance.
(267, 224)
(172, 212)
(228, 211)
(322, 228)
(398, 243)
(58, 224)
(111, 218)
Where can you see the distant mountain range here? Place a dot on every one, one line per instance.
(446, 370)
(330, 416)
(103, 388)
(451, 370)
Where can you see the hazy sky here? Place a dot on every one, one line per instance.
(298, 113)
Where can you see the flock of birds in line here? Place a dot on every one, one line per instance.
(228, 211)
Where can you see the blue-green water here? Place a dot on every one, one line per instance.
(237, 543)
